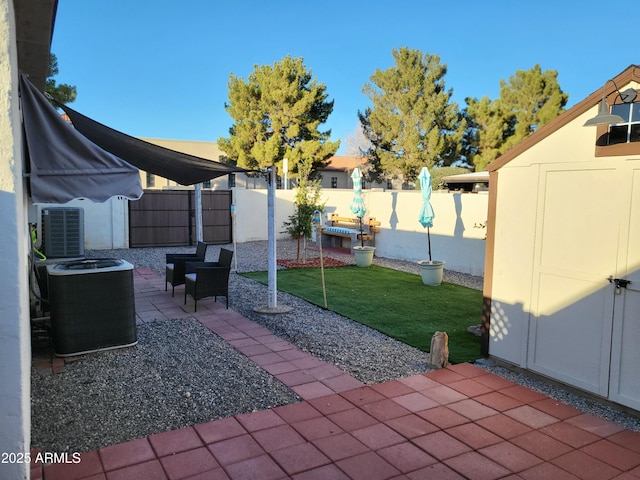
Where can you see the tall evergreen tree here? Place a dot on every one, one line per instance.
(531, 99)
(487, 130)
(277, 114)
(413, 122)
(61, 93)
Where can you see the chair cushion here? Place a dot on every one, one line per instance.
(191, 276)
(342, 230)
(169, 266)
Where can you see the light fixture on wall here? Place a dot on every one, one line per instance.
(604, 117)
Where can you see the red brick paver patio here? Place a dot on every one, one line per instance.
(457, 423)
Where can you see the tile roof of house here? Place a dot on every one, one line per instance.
(345, 163)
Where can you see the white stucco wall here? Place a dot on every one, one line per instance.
(106, 224)
(15, 348)
(454, 239)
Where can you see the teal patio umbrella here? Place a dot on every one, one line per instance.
(426, 212)
(357, 204)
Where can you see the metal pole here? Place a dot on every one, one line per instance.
(198, 194)
(285, 169)
(271, 232)
(317, 218)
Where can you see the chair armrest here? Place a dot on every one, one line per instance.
(192, 267)
(177, 257)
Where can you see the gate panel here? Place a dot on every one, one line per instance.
(167, 218)
(216, 216)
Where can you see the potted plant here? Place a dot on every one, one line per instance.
(363, 254)
(431, 270)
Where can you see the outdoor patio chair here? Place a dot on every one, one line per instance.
(174, 270)
(208, 279)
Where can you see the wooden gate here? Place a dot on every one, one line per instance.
(167, 217)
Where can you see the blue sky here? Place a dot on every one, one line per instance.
(161, 68)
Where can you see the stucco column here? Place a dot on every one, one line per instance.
(15, 346)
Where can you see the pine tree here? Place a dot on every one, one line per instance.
(61, 93)
(277, 114)
(531, 99)
(413, 122)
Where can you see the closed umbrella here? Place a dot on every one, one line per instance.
(426, 212)
(357, 204)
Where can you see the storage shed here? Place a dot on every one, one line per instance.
(562, 271)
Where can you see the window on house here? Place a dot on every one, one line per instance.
(151, 180)
(231, 180)
(629, 131)
(334, 182)
(389, 185)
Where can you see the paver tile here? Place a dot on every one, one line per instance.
(127, 453)
(441, 445)
(278, 437)
(406, 457)
(411, 426)
(191, 462)
(174, 441)
(541, 445)
(235, 449)
(218, 430)
(510, 456)
(476, 466)
(367, 466)
(315, 428)
(585, 467)
(378, 436)
(474, 435)
(246, 469)
(531, 417)
(342, 445)
(443, 417)
(352, 419)
(298, 458)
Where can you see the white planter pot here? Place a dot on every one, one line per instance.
(431, 272)
(364, 255)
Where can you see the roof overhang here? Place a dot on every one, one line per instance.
(34, 30)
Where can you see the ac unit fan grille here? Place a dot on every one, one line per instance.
(63, 232)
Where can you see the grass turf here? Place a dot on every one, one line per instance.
(393, 302)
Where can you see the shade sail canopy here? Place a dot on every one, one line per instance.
(180, 167)
(65, 165)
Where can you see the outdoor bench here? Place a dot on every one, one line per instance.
(339, 228)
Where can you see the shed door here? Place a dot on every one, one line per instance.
(581, 332)
(625, 352)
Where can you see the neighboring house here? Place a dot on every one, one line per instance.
(562, 270)
(467, 182)
(207, 150)
(337, 173)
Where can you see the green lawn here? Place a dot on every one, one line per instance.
(393, 302)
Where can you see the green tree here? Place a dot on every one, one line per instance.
(62, 93)
(488, 127)
(277, 114)
(300, 224)
(413, 122)
(531, 99)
